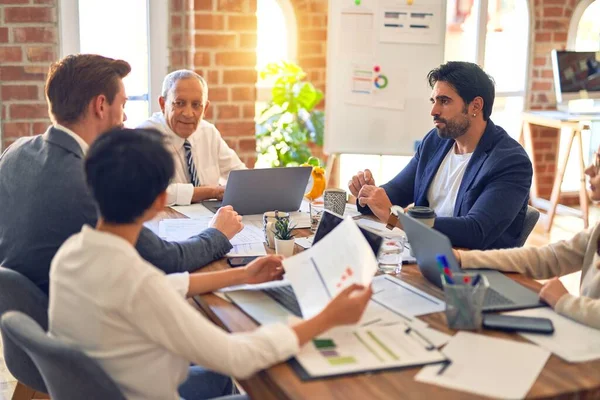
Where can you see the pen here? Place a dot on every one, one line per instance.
(429, 346)
(476, 280)
(444, 367)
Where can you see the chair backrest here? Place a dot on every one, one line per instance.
(531, 218)
(20, 294)
(68, 372)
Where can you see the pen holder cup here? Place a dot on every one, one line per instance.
(464, 301)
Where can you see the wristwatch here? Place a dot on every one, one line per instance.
(392, 221)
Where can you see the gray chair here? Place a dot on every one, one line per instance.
(68, 372)
(531, 218)
(20, 294)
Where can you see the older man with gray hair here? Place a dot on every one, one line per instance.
(202, 158)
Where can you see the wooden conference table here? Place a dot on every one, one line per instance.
(559, 379)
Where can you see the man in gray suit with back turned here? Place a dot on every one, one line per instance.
(43, 195)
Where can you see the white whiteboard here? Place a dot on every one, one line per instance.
(378, 55)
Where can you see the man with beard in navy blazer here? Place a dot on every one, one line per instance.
(469, 170)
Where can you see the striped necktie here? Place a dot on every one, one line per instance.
(190, 163)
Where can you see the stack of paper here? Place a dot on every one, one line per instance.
(483, 365)
(248, 242)
(571, 341)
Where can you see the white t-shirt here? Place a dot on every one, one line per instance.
(135, 322)
(444, 188)
(214, 159)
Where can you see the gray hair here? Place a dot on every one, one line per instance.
(180, 74)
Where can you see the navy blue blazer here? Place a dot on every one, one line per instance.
(492, 199)
(45, 200)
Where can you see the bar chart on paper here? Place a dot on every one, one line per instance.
(348, 349)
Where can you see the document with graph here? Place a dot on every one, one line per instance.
(348, 350)
(341, 258)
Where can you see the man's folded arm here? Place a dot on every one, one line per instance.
(187, 255)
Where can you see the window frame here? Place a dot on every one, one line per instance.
(158, 51)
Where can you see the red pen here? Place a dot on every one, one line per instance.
(467, 280)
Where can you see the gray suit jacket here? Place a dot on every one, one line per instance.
(44, 199)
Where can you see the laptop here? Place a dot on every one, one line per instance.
(255, 191)
(278, 303)
(503, 293)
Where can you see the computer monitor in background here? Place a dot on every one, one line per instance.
(576, 76)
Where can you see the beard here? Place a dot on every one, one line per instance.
(454, 128)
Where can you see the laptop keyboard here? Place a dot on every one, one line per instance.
(493, 298)
(285, 296)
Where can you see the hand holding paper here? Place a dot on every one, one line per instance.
(264, 269)
(340, 259)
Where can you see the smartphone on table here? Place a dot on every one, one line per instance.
(240, 261)
(511, 323)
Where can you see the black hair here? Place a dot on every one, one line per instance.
(469, 81)
(126, 170)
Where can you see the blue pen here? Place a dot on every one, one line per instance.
(476, 280)
(444, 270)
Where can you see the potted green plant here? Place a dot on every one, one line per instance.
(284, 239)
(289, 121)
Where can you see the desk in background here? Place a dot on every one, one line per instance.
(281, 382)
(575, 124)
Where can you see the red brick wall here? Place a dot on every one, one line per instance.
(28, 42)
(219, 43)
(552, 18)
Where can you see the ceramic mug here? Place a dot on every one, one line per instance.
(269, 220)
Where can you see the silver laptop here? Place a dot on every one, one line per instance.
(254, 191)
(427, 243)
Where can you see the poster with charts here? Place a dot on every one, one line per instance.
(377, 85)
(402, 23)
(346, 350)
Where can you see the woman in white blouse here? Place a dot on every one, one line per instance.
(581, 253)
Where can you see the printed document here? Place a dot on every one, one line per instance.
(341, 258)
(346, 350)
(181, 229)
(483, 365)
(401, 297)
(571, 341)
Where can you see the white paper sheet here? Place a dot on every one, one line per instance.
(194, 211)
(380, 228)
(483, 365)
(341, 258)
(406, 299)
(401, 23)
(571, 341)
(258, 286)
(175, 230)
(248, 249)
(181, 229)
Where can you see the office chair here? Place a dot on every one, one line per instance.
(20, 294)
(531, 218)
(68, 372)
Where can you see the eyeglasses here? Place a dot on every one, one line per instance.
(181, 104)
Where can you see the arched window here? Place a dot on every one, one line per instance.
(276, 39)
(584, 31)
(495, 35)
(584, 35)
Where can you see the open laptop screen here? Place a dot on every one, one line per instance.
(330, 220)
